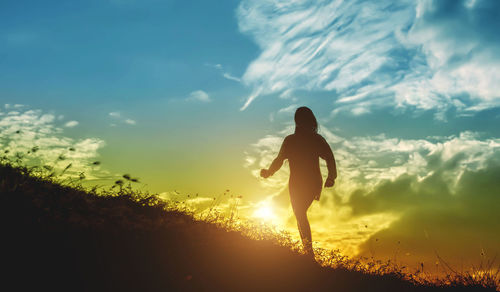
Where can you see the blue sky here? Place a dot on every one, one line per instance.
(105, 50)
(197, 96)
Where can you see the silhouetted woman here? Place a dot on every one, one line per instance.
(303, 150)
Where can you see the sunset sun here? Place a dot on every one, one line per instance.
(264, 212)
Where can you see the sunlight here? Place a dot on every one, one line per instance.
(265, 212)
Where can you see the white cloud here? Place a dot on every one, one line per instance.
(289, 109)
(71, 124)
(461, 49)
(199, 95)
(418, 54)
(326, 45)
(130, 121)
(365, 163)
(118, 116)
(115, 114)
(357, 111)
(231, 77)
(13, 106)
(21, 132)
(225, 74)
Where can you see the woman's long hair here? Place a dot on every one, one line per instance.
(305, 121)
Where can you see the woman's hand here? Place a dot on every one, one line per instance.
(329, 182)
(265, 173)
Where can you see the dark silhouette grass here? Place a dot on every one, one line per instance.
(67, 238)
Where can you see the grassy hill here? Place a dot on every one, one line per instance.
(66, 238)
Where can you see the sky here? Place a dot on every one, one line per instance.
(194, 97)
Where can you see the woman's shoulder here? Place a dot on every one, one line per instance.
(300, 137)
(288, 139)
(317, 136)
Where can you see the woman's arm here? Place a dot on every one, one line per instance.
(277, 162)
(327, 155)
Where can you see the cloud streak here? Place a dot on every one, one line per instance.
(430, 55)
(71, 124)
(225, 74)
(118, 116)
(199, 95)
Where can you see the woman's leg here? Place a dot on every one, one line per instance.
(300, 207)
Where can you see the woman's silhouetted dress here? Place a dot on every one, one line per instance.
(303, 150)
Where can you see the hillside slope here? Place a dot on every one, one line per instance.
(62, 238)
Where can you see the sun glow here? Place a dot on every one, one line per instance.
(264, 212)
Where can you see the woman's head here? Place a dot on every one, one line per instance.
(305, 120)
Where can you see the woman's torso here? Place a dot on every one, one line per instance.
(303, 153)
